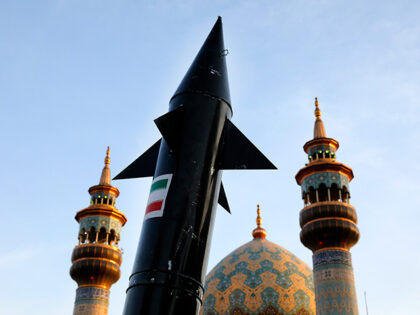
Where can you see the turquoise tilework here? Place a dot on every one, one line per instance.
(98, 222)
(327, 178)
(92, 295)
(259, 278)
(334, 283)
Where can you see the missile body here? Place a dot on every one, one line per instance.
(198, 142)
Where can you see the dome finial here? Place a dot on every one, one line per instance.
(259, 219)
(259, 232)
(319, 130)
(106, 173)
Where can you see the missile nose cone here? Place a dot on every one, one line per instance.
(208, 72)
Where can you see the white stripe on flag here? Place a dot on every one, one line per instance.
(156, 196)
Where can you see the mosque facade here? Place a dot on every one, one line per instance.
(259, 277)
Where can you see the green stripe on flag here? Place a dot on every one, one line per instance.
(160, 184)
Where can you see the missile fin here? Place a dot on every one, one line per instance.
(223, 199)
(240, 153)
(143, 166)
(169, 126)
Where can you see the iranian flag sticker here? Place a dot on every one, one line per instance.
(157, 197)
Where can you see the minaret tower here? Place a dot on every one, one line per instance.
(328, 223)
(97, 259)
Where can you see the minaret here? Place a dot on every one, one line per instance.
(328, 223)
(97, 259)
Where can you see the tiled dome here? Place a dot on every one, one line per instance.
(259, 277)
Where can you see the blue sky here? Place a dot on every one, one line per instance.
(76, 76)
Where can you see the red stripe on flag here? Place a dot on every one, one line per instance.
(154, 206)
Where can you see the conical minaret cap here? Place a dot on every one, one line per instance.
(208, 72)
(106, 172)
(319, 130)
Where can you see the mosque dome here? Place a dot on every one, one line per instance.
(260, 277)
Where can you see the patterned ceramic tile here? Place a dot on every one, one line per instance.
(327, 178)
(98, 222)
(259, 277)
(334, 283)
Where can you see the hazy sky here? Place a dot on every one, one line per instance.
(76, 76)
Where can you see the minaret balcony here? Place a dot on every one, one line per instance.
(325, 209)
(329, 224)
(101, 210)
(96, 265)
(89, 250)
(324, 165)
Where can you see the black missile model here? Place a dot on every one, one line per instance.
(198, 142)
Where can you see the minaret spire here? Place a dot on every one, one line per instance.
(329, 223)
(96, 260)
(259, 232)
(106, 172)
(319, 130)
